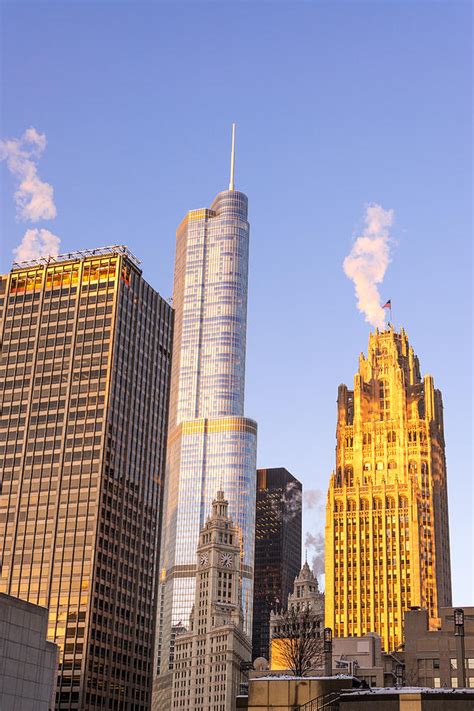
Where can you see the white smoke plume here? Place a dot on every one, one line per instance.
(291, 499)
(368, 261)
(34, 198)
(37, 243)
(313, 499)
(315, 544)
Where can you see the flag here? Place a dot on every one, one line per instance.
(388, 305)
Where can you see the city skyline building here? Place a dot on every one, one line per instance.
(85, 372)
(387, 528)
(211, 444)
(305, 596)
(207, 668)
(277, 549)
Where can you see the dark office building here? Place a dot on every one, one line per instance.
(277, 549)
(84, 389)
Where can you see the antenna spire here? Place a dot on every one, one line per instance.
(232, 159)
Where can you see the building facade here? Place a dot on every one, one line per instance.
(211, 445)
(28, 662)
(207, 659)
(277, 549)
(387, 533)
(305, 596)
(433, 658)
(85, 371)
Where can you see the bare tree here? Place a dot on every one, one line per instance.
(301, 648)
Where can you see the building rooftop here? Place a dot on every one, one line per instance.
(79, 254)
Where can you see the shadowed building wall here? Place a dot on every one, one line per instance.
(387, 532)
(277, 549)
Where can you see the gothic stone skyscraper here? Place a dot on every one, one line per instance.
(387, 533)
(277, 549)
(211, 444)
(84, 372)
(305, 595)
(207, 659)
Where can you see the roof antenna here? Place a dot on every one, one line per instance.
(232, 159)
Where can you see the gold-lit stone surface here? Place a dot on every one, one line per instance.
(387, 535)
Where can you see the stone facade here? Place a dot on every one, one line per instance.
(305, 595)
(207, 659)
(406, 700)
(387, 533)
(432, 656)
(287, 694)
(28, 663)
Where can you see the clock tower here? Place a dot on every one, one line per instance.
(207, 659)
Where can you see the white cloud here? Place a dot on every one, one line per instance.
(34, 198)
(37, 243)
(368, 261)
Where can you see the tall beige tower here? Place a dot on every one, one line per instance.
(387, 532)
(208, 657)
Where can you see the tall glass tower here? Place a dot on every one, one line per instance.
(212, 446)
(85, 360)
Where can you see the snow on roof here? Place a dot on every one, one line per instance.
(285, 677)
(376, 691)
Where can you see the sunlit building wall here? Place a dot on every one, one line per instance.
(212, 446)
(84, 372)
(387, 532)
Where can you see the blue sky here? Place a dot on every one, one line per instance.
(338, 105)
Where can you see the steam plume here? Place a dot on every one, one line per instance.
(313, 499)
(34, 198)
(37, 243)
(291, 500)
(368, 261)
(315, 544)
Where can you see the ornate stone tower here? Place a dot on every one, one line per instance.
(305, 595)
(387, 533)
(207, 659)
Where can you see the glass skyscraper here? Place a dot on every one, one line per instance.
(211, 445)
(277, 549)
(84, 388)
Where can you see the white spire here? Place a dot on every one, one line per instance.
(232, 159)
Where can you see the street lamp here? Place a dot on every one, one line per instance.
(327, 647)
(460, 652)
